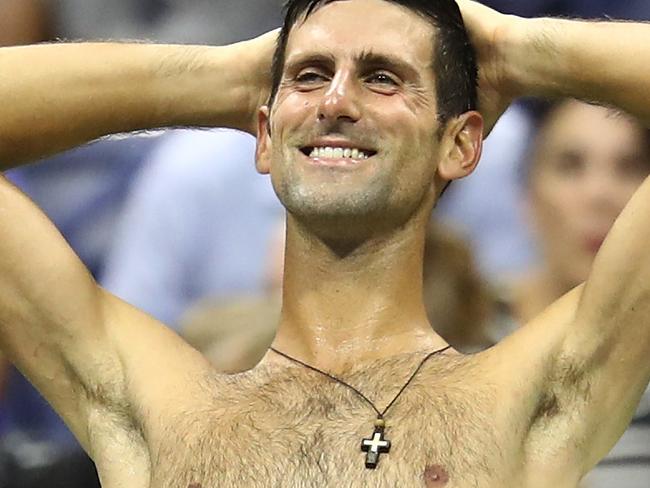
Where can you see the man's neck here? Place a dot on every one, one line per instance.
(344, 311)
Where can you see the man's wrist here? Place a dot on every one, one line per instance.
(233, 81)
(537, 58)
(255, 58)
(522, 48)
(200, 86)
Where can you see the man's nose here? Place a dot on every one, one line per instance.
(340, 100)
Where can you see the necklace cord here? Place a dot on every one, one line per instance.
(427, 357)
(380, 415)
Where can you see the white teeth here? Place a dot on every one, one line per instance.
(337, 153)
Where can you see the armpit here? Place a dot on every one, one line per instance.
(567, 388)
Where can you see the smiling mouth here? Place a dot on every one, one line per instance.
(337, 153)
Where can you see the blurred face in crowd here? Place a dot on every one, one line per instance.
(588, 162)
(354, 133)
(23, 22)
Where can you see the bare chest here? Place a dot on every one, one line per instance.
(302, 431)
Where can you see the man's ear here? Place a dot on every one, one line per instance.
(462, 143)
(263, 149)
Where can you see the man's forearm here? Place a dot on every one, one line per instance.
(600, 61)
(58, 96)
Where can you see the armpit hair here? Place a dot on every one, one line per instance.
(567, 389)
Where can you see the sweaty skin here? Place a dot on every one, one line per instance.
(282, 425)
(539, 409)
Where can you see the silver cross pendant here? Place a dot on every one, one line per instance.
(375, 446)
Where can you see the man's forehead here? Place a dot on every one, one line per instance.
(354, 27)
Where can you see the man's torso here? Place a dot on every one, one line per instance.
(454, 426)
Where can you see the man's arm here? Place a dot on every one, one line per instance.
(58, 96)
(93, 357)
(602, 354)
(597, 61)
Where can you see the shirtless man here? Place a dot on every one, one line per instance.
(537, 410)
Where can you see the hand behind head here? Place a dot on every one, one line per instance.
(488, 31)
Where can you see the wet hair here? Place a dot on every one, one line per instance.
(454, 60)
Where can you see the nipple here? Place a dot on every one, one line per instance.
(435, 476)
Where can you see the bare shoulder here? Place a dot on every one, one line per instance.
(543, 381)
(164, 373)
(163, 376)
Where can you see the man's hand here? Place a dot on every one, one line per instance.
(260, 52)
(604, 62)
(488, 31)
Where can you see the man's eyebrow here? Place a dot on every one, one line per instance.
(305, 59)
(371, 59)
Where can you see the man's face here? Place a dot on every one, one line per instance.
(354, 132)
(588, 163)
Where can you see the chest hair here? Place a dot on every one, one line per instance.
(293, 427)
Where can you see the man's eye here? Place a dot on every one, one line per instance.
(309, 77)
(381, 78)
(569, 165)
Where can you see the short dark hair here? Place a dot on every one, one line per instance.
(454, 56)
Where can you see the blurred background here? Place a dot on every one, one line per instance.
(179, 223)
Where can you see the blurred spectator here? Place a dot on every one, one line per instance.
(629, 9)
(22, 466)
(24, 22)
(219, 22)
(586, 163)
(458, 302)
(493, 221)
(198, 224)
(177, 21)
(235, 332)
(83, 190)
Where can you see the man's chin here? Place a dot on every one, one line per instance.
(343, 226)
